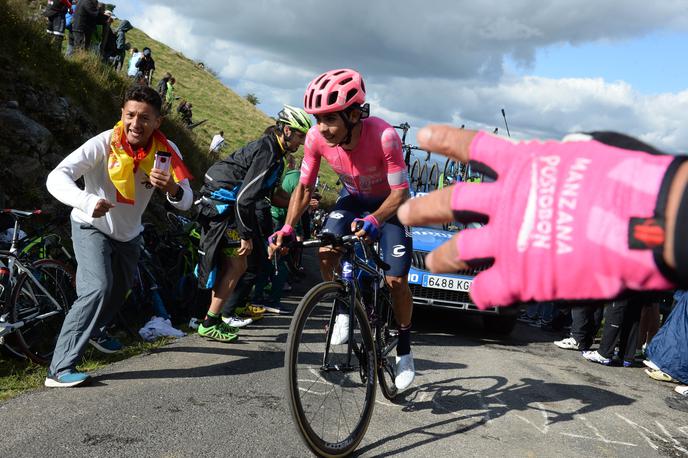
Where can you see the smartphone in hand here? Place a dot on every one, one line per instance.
(162, 161)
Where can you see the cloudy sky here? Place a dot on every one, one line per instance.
(555, 67)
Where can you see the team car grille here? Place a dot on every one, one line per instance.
(418, 261)
(441, 297)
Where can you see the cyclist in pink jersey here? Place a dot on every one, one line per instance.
(366, 153)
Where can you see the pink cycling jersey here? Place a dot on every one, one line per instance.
(371, 169)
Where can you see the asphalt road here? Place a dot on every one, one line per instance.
(474, 395)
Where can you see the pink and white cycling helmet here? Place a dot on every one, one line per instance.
(335, 90)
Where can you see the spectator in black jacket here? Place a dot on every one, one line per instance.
(88, 14)
(146, 65)
(227, 211)
(108, 45)
(56, 13)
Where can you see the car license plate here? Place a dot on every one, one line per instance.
(450, 283)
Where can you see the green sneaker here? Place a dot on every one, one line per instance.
(220, 332)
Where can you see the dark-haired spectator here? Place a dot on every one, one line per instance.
(106, 221)
(135, 57)
(56, 13)
(162, 84)
(184, 110)
(121, 44)
(87, 15)
(146, 65)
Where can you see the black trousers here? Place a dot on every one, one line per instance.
(258, 264)
(585, 321)
(621, 323)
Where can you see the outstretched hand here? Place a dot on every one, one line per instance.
(573, 220)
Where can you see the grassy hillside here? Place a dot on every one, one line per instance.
(212, 100)
(35, 75)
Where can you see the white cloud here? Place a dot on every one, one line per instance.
(439, 61)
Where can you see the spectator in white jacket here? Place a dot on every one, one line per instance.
(120, 175)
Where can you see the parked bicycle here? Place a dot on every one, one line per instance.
(34, 297)
(331, 388)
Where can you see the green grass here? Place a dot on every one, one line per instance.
(18, 376)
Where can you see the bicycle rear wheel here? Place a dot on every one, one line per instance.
(386, 338)
(433, 178)
(331, 403)
(42, 318)
(413, 175)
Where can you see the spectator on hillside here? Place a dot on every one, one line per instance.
(108, 42)
(56, 13)
(216, 144)
(121, 44)
(169, 94)
(106, 222)
(184, 110)
(69, 18)
(87, 15)
(146, 65)
(162, 84)
(135, 57)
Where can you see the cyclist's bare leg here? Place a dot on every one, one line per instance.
(401, 299)
(329, 262)
(231, 270)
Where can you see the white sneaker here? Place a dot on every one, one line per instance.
(340, 332)
(236, 321)
(568, 344)
(651, 365)
(406, 372)
(194, 322)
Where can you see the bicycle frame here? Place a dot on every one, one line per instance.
(16, 268)
(352, 265)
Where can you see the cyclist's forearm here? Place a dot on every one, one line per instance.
(298, 202)
(391, 204)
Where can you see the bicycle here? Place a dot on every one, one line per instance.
(316, 369)
(34, 297)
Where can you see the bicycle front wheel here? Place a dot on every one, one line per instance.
(42, 314)
(331, 392)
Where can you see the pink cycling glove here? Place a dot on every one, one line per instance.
(287, 233)
(562, 219)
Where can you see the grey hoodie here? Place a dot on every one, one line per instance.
(124, 27)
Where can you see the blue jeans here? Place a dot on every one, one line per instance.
(105, 272)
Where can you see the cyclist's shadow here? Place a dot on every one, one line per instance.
(471, 407)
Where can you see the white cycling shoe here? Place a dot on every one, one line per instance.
(406, 372)
(340, 331)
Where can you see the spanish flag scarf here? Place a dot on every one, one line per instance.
(123, 162)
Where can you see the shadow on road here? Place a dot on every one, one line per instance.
(474, 401)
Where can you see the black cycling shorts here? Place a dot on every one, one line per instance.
(395, 241)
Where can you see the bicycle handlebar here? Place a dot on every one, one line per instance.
(326, 239)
